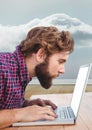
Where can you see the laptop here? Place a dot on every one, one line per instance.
(67, 114)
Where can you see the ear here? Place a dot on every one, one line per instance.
(40, 55)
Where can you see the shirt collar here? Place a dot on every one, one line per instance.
(24, 76)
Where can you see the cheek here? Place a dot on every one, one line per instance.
(53, 68)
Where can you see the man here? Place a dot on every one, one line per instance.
(42, 54)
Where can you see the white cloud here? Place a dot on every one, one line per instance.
(10, 36)
(81, 32)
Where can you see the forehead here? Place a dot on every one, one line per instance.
(60, 55)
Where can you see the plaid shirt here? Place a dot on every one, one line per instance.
(13, 79)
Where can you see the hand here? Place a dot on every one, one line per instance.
(34, 113)
(39, 102)
(26, 114)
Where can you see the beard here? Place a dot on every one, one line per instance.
(43, 75)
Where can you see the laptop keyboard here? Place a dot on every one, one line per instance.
(64, 113)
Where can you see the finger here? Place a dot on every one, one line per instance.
(48, 102)
(41, 102)
(38, 101)
(49, 111)
(48, 117)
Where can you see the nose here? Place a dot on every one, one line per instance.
(62, 70)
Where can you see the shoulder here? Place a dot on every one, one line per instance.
(7, 61)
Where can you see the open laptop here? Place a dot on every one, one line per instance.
(67, 114)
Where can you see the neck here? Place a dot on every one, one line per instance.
(30, 63)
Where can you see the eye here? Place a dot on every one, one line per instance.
(61, 61)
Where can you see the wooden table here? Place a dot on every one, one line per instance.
(84, 120)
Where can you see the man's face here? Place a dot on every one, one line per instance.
(51, 68)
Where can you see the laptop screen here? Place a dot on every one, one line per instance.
(79, 87)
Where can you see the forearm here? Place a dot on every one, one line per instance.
(8, 117)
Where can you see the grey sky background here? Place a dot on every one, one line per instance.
(15, 12)
(18, 16)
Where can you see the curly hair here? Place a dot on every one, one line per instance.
(49, 38)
